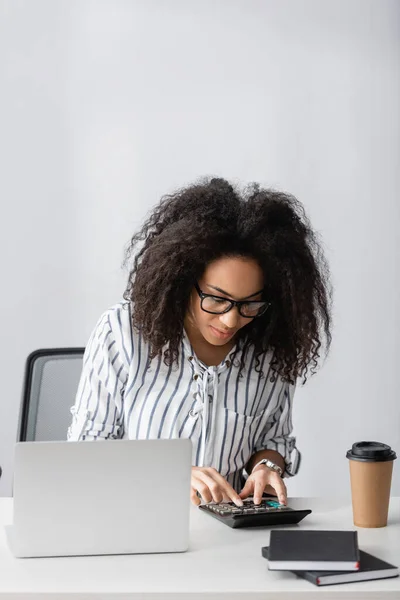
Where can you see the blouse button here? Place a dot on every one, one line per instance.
(192, 413)
(228, 363)
(190, 357)
(195, 377)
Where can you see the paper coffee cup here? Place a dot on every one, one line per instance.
(371, 466)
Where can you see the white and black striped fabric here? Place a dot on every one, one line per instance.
(124, 394)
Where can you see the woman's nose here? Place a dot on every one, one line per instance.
(231, 318)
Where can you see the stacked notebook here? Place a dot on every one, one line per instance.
(324, 557)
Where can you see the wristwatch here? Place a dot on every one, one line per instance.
(271, 465)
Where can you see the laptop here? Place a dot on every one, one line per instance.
(101, 497)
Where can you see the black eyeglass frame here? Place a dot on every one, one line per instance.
(233, 303)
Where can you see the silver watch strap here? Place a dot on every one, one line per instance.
(271, 465)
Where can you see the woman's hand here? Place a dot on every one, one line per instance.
(256, 483)
(211, 486)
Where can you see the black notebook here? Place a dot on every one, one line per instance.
(312, 550)
(371, 567)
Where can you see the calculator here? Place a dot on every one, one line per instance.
(268, 512)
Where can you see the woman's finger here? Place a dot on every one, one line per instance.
(226, 488)
(259, 486)
(207, 486)
(194, 497)
(280, 488)
(212, 486)
(216, 492)
(203, 489)
(247, 489)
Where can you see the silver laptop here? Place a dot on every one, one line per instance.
(104, 497)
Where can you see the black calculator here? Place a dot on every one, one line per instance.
(268, 512)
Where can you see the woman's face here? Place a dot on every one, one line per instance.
(235, 278)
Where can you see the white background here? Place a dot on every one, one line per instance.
(105, 105)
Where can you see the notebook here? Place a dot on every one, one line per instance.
(371, 567)
(312, 550)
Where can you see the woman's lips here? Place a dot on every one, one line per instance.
(219, 334)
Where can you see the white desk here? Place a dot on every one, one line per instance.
(222, 564)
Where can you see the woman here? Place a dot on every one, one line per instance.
(221, 315)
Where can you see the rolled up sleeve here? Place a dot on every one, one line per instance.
(276, 434)
(98, 410)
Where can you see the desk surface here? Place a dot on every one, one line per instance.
(222, 563)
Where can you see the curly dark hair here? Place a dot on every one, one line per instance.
(212, 219)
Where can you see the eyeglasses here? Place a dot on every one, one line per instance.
(218, 305)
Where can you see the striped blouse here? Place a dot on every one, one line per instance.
(122, 393)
